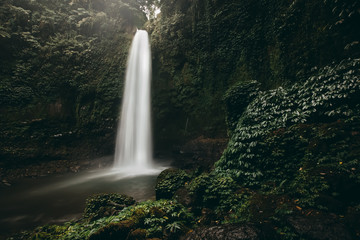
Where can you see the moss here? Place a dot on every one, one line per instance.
(114, 231)
(102, 205)
(169, 181)
(162, 219)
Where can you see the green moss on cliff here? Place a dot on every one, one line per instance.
(206, 47)
(63, 64)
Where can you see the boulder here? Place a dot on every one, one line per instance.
(107, 204)
(319, 227)
(169, 181)
(114, 231)
(228, 232)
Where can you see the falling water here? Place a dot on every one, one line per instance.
(134, 141)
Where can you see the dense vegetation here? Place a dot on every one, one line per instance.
(62, 71)
(204, 47)
(121, 219)
(280, 79)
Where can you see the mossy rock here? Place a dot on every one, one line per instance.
(157, 212)
(169, 181)
(237, 98)
(114, 231)
(137, 234)
(213, 191)
(106, 204)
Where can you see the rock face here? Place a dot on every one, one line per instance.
(199, 153)
(320, 228)
(317, 228)
(228, 232)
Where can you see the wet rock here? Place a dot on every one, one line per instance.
(137, 234)
(228, 232)
(75, 168)
(332, 204)
(6, 183)
(319, 227)
(200, 153)
(353, 220)
(207, 216)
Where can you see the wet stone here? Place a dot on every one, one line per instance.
(228, 232)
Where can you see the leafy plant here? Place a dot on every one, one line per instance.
(254, 154)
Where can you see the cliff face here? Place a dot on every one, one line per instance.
(202, 48)
(62, 66)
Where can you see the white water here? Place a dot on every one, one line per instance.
(133, 153)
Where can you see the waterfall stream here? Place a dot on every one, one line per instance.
(133, 152)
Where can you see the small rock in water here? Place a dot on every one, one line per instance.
(75, 169)
(6, 183)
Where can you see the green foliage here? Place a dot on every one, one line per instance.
(163, 218)
(328, 95)
(218, 192)
(209, 46)
(307, 185)
(169, 181)
(157, 217)
(63, 62)
(101, 205)
(240, 203)
(199, 184)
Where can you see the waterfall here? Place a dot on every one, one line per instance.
(133, 150)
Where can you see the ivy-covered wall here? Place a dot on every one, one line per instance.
(283, 130)
(202, 48)
(62, 67)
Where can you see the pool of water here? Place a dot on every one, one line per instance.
(58, 199)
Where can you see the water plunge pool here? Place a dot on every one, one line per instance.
(57, 199)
